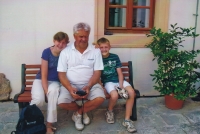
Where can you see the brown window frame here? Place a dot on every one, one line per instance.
(129, 29)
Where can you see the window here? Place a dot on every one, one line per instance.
(130, 40)
(129, 16)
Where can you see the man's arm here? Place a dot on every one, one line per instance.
(65, 82)
(93, 80)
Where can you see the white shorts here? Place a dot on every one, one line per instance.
(95, 91)
(110, 86)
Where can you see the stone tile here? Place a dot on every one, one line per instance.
(154, 121)
(191, 129)
(10, 126)
(174, 119)
(193, 116)
(8, 106)
(67, 127)
(1, 126)
(148, 130)
(9, 117)
(170, 130)
(6, 131)
(102, 126)
(140, 123)
(143, 111)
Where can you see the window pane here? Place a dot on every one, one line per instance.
(117, 2)
(141, 2)
(140, 17)
(117, 17)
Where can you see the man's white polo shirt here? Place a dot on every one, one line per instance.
(79, 67)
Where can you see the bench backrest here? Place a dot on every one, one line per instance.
(29, 72)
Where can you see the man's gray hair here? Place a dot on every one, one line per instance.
(80, 26)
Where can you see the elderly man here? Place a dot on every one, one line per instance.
(79, 69)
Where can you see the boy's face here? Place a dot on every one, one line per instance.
(60, 45)
(104, 47)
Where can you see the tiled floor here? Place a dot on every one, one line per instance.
(153, 118)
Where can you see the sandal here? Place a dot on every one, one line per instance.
(53, 128)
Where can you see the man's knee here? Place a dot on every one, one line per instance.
(99, 100)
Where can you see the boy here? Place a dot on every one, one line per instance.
(111, 77)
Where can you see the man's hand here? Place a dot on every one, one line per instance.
(87, 90)
(73, 91)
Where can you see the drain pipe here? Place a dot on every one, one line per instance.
(196, 15)
(151, 96)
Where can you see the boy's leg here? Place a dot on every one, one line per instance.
(113, 100)
(110, 88)
(129, 105)
(129, 102)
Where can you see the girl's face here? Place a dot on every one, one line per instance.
(104, 47)
(60, 45)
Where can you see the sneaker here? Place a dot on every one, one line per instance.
(129, 125)
(122, 92)
(86, 119)
(77, 120)
(110, 117)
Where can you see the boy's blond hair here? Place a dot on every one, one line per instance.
(103, 40)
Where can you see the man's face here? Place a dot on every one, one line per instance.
(81, 38)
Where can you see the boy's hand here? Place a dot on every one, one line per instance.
(96, 45)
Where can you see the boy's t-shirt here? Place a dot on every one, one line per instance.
(111, 63)
(52, 65)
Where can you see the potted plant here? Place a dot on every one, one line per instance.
(175, 76)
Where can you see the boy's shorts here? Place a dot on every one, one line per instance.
(65, 96)
(110, 86)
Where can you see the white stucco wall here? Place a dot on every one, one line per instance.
(27, 27)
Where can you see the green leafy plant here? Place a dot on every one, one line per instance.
(175, 73)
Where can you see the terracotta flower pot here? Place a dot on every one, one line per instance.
(173, 103)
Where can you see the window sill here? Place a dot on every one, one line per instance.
(128, 40)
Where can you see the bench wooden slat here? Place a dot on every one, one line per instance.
(24, 99)
(28, 88)
(33, 66)
(126, 74)
(25, 94)
(124, 63)
(30, 77)
(125, 69)
(29, 83)
(31, 71)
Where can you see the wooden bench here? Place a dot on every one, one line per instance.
(28, 73)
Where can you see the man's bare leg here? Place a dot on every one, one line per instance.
(70, 106)
(91, 104)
